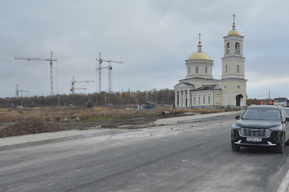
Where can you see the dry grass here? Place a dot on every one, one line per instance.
(56, 114)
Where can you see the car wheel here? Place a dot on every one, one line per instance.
(280, 148)
(235, 147)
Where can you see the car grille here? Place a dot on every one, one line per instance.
(250, 132)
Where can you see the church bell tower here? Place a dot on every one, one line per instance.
(233, 60)
(233, 82)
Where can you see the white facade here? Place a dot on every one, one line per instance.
(200, 89)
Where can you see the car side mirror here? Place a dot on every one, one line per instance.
(238, 117)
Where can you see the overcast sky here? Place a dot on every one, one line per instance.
(152, 37)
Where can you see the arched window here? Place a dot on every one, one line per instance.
(228, 48)
(209, 99)
(226, 68)
(197, 69)
(238, 68)
(206, 70)
(237, 47)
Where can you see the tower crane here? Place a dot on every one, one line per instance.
(73, 85)
(19, 90)
(42, 59)
(109, 67)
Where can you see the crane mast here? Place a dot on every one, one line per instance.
(109, 67)
(41, 59)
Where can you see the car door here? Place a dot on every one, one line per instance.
(285, 124)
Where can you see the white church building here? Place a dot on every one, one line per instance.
(200, 89)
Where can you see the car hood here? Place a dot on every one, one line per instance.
(257, 123)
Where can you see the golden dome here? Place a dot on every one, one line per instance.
(234, 32)
(199, 55)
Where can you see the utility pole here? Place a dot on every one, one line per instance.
(41, 59)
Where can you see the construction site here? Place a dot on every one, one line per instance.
(75, 84)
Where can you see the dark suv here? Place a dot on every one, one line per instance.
(261, 125)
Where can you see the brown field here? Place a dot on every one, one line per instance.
(46, 119)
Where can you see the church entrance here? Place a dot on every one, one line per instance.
(238, 99)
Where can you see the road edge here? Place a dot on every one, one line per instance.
(283, 187)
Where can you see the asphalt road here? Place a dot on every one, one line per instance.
(189, 156)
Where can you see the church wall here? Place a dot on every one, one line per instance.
(232, 67)
(198, 69)
(231, 88)
(206, 98)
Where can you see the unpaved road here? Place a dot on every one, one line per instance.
(188, 156)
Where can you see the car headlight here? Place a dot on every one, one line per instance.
(268, 132)
(276, 128)
(236, 126)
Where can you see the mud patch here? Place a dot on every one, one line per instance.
(29, 127)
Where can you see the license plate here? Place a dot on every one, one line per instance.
(254, 139)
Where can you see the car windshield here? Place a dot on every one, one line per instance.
(262, 114)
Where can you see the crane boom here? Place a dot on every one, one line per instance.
(113, 61)
(74, 82)
(34, 58)
(42, 59)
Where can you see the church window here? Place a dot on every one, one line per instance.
(199, 100)
(197, 69)
(204, 100)
(206, 70)
(228, 48)
(209, 99)
(217, 99)
(237, 47)
(226, 68)
(238, 68)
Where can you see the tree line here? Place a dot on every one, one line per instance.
(163, 96)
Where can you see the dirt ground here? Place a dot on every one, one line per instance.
(34, 126)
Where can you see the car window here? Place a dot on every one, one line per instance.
(287, 111)
(262, 114)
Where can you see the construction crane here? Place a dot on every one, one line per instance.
(21, 91)
(41, 59)
(73, 85)
(109, 67)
